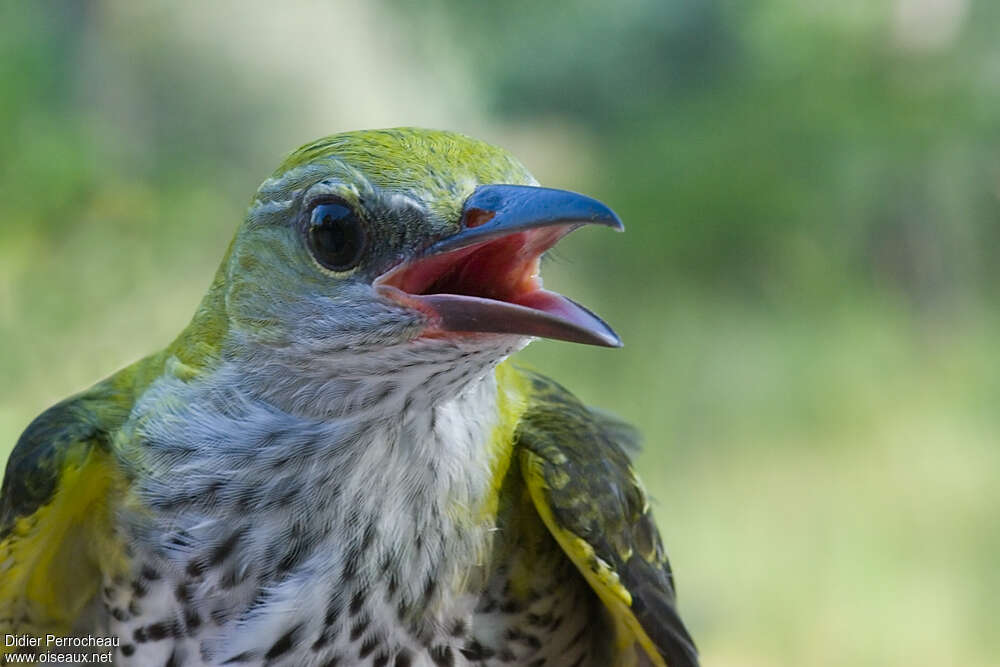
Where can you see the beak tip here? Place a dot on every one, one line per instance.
(612, 339)
(608, 218)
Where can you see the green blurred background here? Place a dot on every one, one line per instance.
(806, 289)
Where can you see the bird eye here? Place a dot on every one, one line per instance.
(337, 236)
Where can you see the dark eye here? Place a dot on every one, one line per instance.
(337, 236)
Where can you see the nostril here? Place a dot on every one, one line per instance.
(474, 217)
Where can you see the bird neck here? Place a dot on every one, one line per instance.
(415, 379)
(409, 474)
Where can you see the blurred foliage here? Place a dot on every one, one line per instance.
(806, 289)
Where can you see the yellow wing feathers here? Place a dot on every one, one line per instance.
(49, 559)
(598, 573)
(588, 496)
(55, 530)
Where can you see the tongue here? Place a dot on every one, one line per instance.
(538, 313)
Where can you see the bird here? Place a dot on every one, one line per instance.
(336, 462)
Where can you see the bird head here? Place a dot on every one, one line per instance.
(404, 239)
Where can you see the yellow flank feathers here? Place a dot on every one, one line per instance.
(512, 393)
(48, 576)
(601, 577)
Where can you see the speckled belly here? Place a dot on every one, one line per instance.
(534, 608)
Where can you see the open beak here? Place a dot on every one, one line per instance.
(485, 277)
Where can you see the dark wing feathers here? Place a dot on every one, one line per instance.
(37, 461)
(590, 489)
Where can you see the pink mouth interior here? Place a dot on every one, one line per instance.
(503, 269)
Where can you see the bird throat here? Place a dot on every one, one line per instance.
(305, 495)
